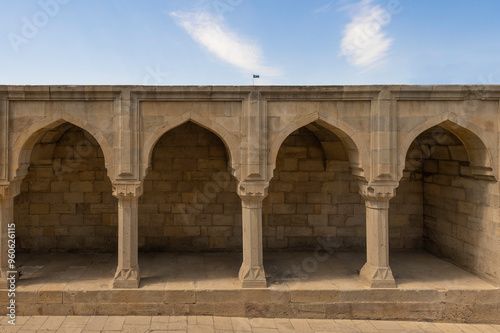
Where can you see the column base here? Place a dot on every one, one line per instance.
(377, 277)
(127, 278)
(252, 277)
(6, 278)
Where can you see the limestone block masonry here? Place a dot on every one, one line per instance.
(239, 168)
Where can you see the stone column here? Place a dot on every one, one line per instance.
(377, 272)
(252, 273)
(127, 273)
(7, 194)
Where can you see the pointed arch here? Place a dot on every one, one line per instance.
(21, 150)
(230, 142)
(470, 135)
(345, 133)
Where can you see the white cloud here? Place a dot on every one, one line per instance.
(226, 44)
(364, 43)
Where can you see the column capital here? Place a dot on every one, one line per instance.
(378, 191)
(253, 191)
(127, 190)
(9, 189)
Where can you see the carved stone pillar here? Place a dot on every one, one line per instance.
(377, 272)
(252, 273)
(127, 273)
(7, 269)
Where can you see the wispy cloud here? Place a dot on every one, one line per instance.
(324, 8)
(364, 42)
(211, 32)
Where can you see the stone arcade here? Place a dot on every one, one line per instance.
(253, 169)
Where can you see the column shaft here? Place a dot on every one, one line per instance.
(252, 273)
(376, 271)
(127, 273)
(6, 222)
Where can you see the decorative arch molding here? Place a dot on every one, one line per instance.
(229, 140)
(472, 137)
(357, 159)
(21, 150)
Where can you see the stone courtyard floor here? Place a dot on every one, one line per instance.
(213, 324)
(219, 270)
(301, 285)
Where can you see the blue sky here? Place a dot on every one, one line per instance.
(224, 42)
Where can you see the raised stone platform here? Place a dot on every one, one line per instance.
(300, 285)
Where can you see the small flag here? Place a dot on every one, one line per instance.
(256, 76)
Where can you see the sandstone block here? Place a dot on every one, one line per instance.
(317, 220)
(40, 186)
(86, 175)
(96, 208)
(306, 209)
(59, 186)
(81, 186)
(189, 197)
(294, 176)
(310, 186)
(220, 219)
(449, 167)
(298, 231)
(325, 231)
(39, 209)
(458, 153)
(218, 242)
(73, 197)
(311, 165)
(294, 198)
(319, 198)
(185, 219)
(290, 164)
(93, 197)
(175, 231)
(63, 208)
(284, 208)
(213, 208)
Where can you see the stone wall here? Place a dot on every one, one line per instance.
(460, 212)
(189, 201)
(406, 214)
(66, 203)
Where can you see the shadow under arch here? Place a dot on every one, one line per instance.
(230, 142)
(24, 144)
(469, 134)
(345, 133)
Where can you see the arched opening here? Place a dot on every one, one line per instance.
(230, 141)
(313, 206)
(189, 201)
(66, 203)
(313, 197)
(443, 206)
